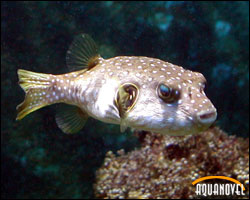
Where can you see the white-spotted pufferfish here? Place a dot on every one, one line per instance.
(133, 91)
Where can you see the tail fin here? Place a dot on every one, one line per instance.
(36, 86)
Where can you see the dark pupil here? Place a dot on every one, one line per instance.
(165, 90)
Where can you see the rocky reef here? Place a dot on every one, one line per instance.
(165, 166)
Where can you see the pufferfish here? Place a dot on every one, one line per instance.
(139, 92)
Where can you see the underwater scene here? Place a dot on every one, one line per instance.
(107, 99)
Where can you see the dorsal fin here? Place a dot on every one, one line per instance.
(82, 53)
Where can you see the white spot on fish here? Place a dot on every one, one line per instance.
(191, 118)
(138, 74)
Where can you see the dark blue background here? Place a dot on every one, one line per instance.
(38, 160)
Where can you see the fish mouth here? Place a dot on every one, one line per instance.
(207, 117)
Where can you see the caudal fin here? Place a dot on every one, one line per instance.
(36, 86)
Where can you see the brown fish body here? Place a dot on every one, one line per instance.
(140, 92)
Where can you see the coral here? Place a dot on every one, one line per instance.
(165, 166)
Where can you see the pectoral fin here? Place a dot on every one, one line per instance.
(123, 126)
(70, 119)
(126, 97)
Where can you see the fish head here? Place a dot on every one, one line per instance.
(176, 105)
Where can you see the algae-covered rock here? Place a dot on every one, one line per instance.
(166, 166)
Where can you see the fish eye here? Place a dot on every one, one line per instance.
(167, 94)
